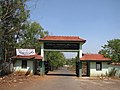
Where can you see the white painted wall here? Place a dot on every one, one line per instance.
(18, 66)
(94, 72)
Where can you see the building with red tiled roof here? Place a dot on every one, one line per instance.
(26, 61)
(95, 64)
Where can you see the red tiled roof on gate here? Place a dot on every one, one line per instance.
(94, 57)
(38, 57)
(62, 38)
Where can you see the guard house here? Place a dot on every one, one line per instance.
(64, 44)
(95, 64)
(27, 61)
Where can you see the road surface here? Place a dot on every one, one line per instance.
(65, 80)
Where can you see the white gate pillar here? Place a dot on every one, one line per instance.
(42, 69)
(42, 50)
(80, 63)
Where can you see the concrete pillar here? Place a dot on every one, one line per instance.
(80, 63)
(42, 50)
(42, 69)
(80, 51)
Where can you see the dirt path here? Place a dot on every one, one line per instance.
(64, 80)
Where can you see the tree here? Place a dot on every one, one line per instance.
(71, 61)
(112, 50)
(13, 15)
(55, 58)
(29, 37)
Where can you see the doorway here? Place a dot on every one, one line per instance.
(86, 69)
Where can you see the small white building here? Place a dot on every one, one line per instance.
(26, 61)
(95, 64)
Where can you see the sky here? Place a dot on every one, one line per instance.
(96, 21)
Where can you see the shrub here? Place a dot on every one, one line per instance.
(112, 72)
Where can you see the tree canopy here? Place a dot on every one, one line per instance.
(55, 58)
(15, 29)
(13, 15)
(28, 38)
(112, 50)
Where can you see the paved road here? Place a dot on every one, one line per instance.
(66, 80)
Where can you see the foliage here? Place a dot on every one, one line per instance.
(29, 37)
(112, 72)
(13, 14)
(15, 29)
(71, 62)
(112, 50)
(55, 58)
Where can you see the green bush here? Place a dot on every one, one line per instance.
(112, 72)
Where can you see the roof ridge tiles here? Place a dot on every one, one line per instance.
(63, 38)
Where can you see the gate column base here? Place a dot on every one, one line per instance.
(42, 69)
(79, 69)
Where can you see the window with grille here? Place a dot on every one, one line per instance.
(98, 66)
(24, 63)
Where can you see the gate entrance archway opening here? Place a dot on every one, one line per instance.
(60, 63)
(62, 44)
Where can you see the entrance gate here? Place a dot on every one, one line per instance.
(64, 44)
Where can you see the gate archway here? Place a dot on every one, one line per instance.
(63, 44)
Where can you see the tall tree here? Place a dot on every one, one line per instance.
(13, 14)
(29, 37)
(112, 50)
